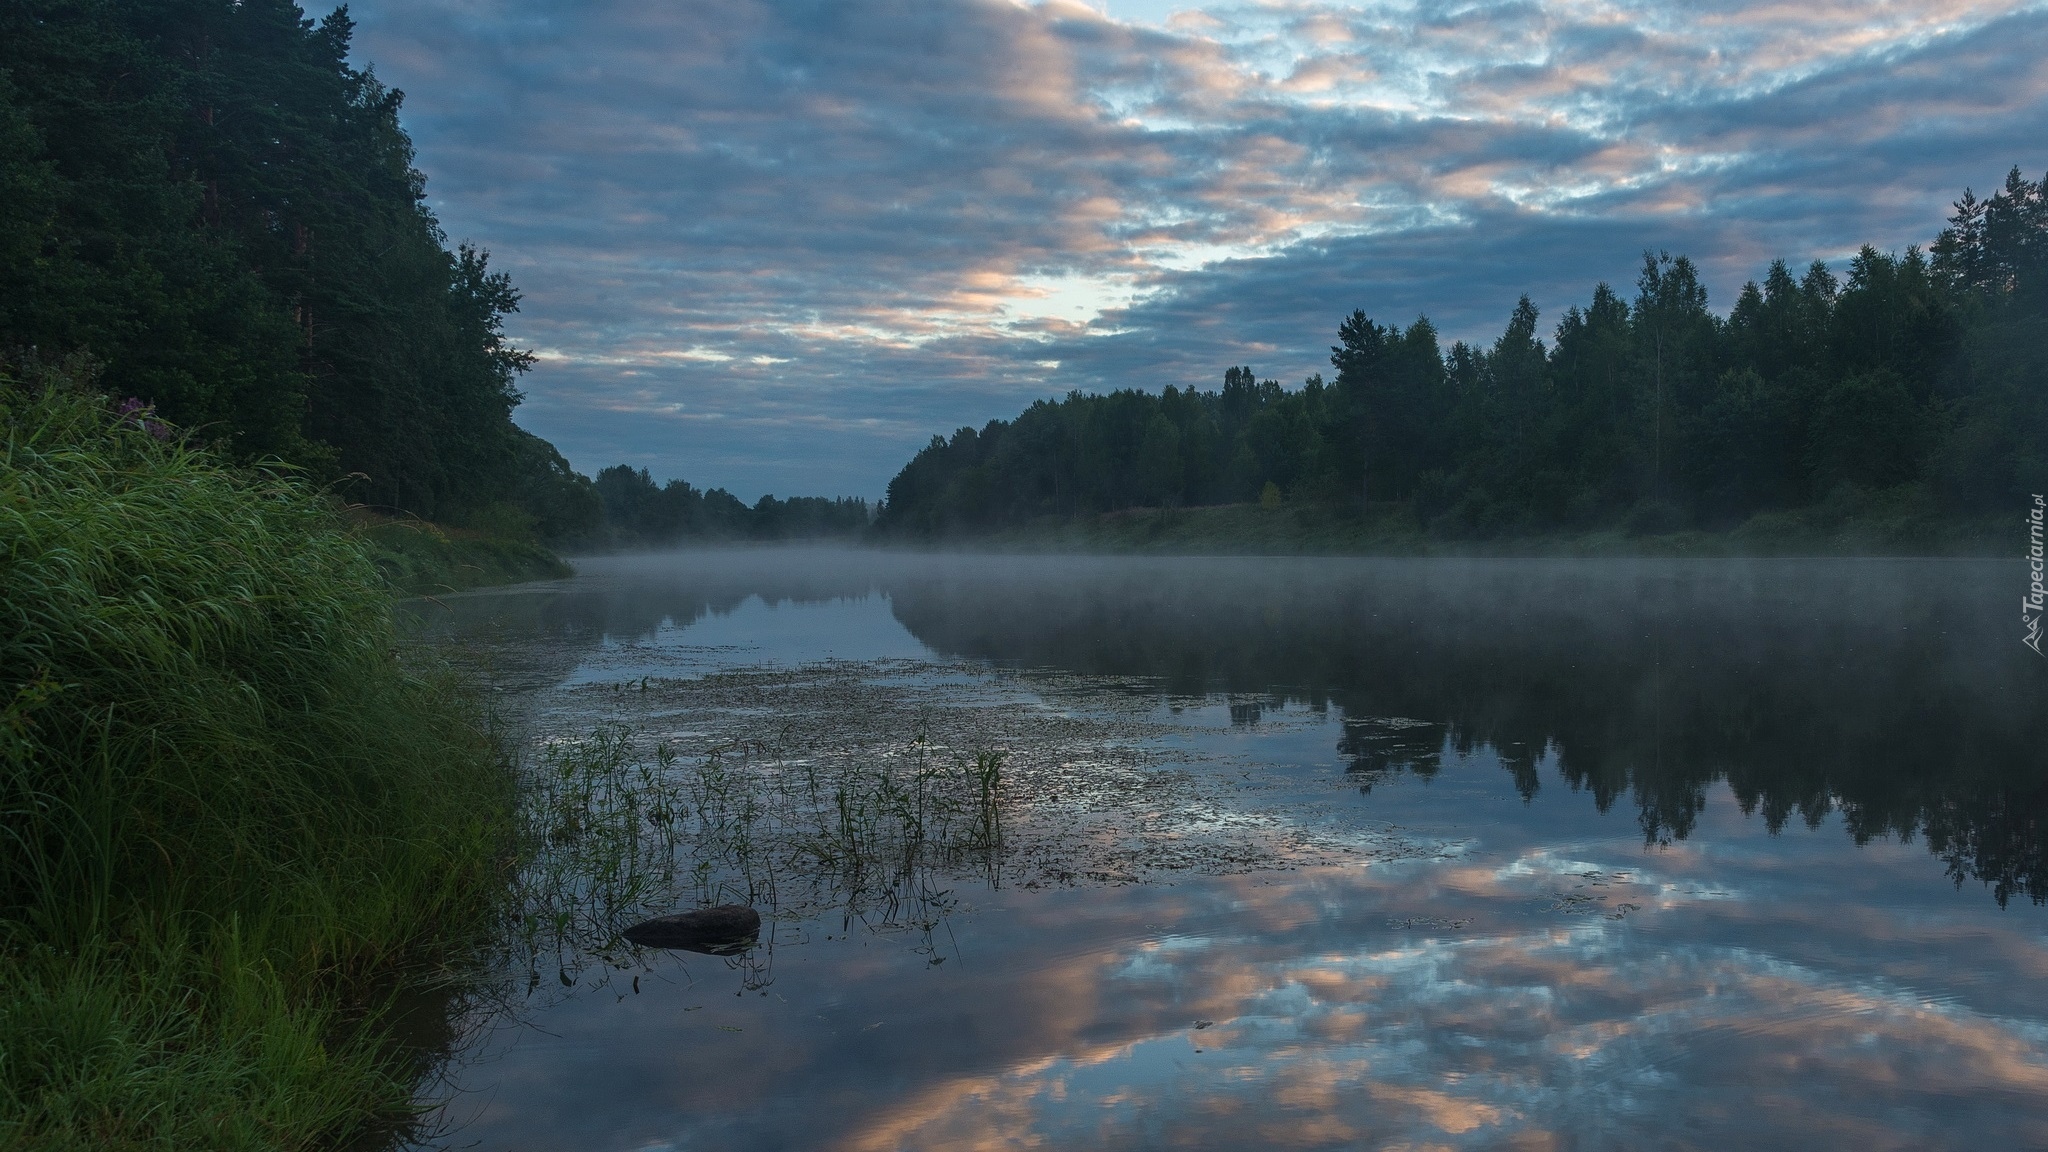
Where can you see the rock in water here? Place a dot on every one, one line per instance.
(718, 931)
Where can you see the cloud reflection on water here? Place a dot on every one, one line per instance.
(1543, 1035)
(1795, 973)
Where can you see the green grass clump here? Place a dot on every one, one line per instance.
(418, 558)
(233, 821)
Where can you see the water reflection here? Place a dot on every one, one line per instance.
(1330, 1034)
(1890, 690)
(1693, 907)
(1069, 1020)
(1377, 747)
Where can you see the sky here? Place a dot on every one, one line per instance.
(776, 247)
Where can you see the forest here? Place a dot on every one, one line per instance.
(1916, 380)
(223, 215)
(638, 512)
(209, 213)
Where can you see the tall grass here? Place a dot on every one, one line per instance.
(231, 817)
(418, 558)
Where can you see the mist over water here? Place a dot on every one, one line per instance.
(1640, 853)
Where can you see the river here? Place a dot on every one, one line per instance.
(1301, 853)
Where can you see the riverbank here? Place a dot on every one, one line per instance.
(419, 558)
(1883, 525)
(239, 822)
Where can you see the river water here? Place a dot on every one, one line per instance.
(1317, 854)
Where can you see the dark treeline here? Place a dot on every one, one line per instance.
(637, 512)
(205, 198)
(1923, 376)
(203, 205)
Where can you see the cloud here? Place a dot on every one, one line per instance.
(775, 246)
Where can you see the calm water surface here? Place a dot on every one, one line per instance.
(1705, 855)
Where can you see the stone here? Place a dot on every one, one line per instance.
(719, 931)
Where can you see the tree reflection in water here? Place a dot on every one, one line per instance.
(1884, 690)
(1890, 691)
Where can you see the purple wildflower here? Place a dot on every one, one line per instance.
(137, 414)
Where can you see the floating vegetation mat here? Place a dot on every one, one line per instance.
(882, 791)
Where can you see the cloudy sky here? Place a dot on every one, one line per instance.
(775, 246)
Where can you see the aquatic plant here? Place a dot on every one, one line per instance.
(615, 830)
(232, 813)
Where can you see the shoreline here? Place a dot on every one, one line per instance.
(242, 822)
(1323, 530)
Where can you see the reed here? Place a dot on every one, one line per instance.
(616, 829)
(233, 815)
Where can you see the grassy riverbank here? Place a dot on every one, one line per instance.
(1853, 524)
(418, 558)
(236, 823)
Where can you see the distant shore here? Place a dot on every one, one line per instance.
(1324, 530)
